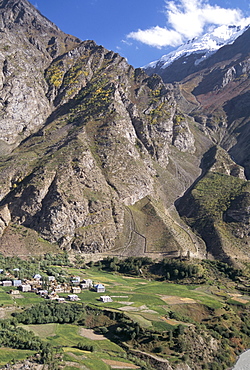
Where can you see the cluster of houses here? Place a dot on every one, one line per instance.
(74, 288)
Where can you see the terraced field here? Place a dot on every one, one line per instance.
(156, 308)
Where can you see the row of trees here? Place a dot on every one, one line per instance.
(169, 268)
(175, 269)
(19, 338)
(50, 312)
(131, 265)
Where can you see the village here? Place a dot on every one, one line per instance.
(50, 288)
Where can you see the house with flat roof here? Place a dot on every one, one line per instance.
(60, 299)
(76, 290)
(76, 280)
(7, 283)
(86, 284)
(17, 282)
(52, 296)
(73, 297)
(25, 288)
(43, 293)
(106, 298)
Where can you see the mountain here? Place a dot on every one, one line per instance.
(215, 93)
(186, 59)
(100, 158)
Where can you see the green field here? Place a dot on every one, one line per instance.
(9, 354)
(140, 293)
(157, 308)
(68, 336)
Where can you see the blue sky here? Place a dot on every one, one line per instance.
(141, 30)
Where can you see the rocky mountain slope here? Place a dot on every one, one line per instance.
(95, 154)
(185, 60)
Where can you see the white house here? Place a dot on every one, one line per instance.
(43, 293)
(58, 289)
(76, 290)
(17, 282)
(106, 298)
(86, 284)
(7, 283)
(75, 280)
(99, 288)
(60, 299)
(53, 297)
(73, 297)
(25, 288)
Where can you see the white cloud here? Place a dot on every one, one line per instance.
(157, 37)
(126, 42)
(185, 20)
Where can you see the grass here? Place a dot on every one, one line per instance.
(90, 360)
(141, 320)
(182, 291)
(43, 331)
(141, 292)
(28, 299)
(68, 335)
(143, 295)
(65, 335)
(5, 299)
(93, 362)
(162, 326)
(8, 354)
(148, 300)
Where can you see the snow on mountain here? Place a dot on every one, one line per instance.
(206, 45)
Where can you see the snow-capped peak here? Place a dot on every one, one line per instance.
(206, 45)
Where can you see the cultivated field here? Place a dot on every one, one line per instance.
(158, 306)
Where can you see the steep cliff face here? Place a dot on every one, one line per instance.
(94, 153)
(216, 93)
(104, 144)
(217, 96)
(217, 207)
(27, 45)
(96, 156)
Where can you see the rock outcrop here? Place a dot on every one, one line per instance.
(94, 153)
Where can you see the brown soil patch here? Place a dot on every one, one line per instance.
(88, 333)
(171, 321)
(17, 296)
(75, 364)
(120, 365)
(24, 242)
(5, 312)
(175, 322)
(197, 312)
(129, 308)
(237, 297)
(133, 308)
(75, 356)
(176, 300)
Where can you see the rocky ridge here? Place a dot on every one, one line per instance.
(95, 153)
